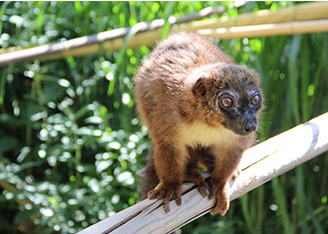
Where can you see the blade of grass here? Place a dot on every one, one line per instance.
(245, 209)
(42, 6)
(293, 77)
(2, 12)
(133, 31)
(325, 175)
(168, 12)
(259, 212)
(279, 196)
(320, 72)
(301, 197)
(3, 89)
(314, 219)
(305, 80)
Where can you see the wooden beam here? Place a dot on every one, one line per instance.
(149, 33)
(260, 164)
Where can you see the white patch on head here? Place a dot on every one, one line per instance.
(202, 134)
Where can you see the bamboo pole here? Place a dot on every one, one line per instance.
(150, 33)
(91, 44)
(267, 29)
(260, 164)
(300, 12)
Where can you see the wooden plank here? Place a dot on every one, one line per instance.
(260, 164)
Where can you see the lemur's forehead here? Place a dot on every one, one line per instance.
(238, 84)
(232, 74)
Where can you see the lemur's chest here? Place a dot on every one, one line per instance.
(203, 134)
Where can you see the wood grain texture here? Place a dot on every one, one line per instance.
(260, 164)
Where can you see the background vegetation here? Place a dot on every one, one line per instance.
(70, 154)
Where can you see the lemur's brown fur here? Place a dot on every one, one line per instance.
(201, 109)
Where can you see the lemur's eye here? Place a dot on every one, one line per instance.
(256, 99)
(226, 102)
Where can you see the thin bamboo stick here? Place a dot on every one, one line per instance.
(260, 164)
(300, 12)
(267, 29)
(87, 43)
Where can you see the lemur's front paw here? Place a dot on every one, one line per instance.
(222, 194)
(166, 192)
(197, 178)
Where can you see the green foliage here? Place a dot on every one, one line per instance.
(71, 146)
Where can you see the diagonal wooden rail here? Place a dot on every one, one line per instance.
(260, 164)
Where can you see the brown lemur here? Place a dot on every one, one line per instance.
(201, 109)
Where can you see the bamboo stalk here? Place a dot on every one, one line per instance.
(260, 164)
(83, 45)
(150, 33)
(151, 37)
(268, 29)
(90, 44)
(300, 12)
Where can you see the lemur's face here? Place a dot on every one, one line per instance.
(240, 108)
(233, 93)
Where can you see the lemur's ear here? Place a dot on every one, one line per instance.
(200, 86)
